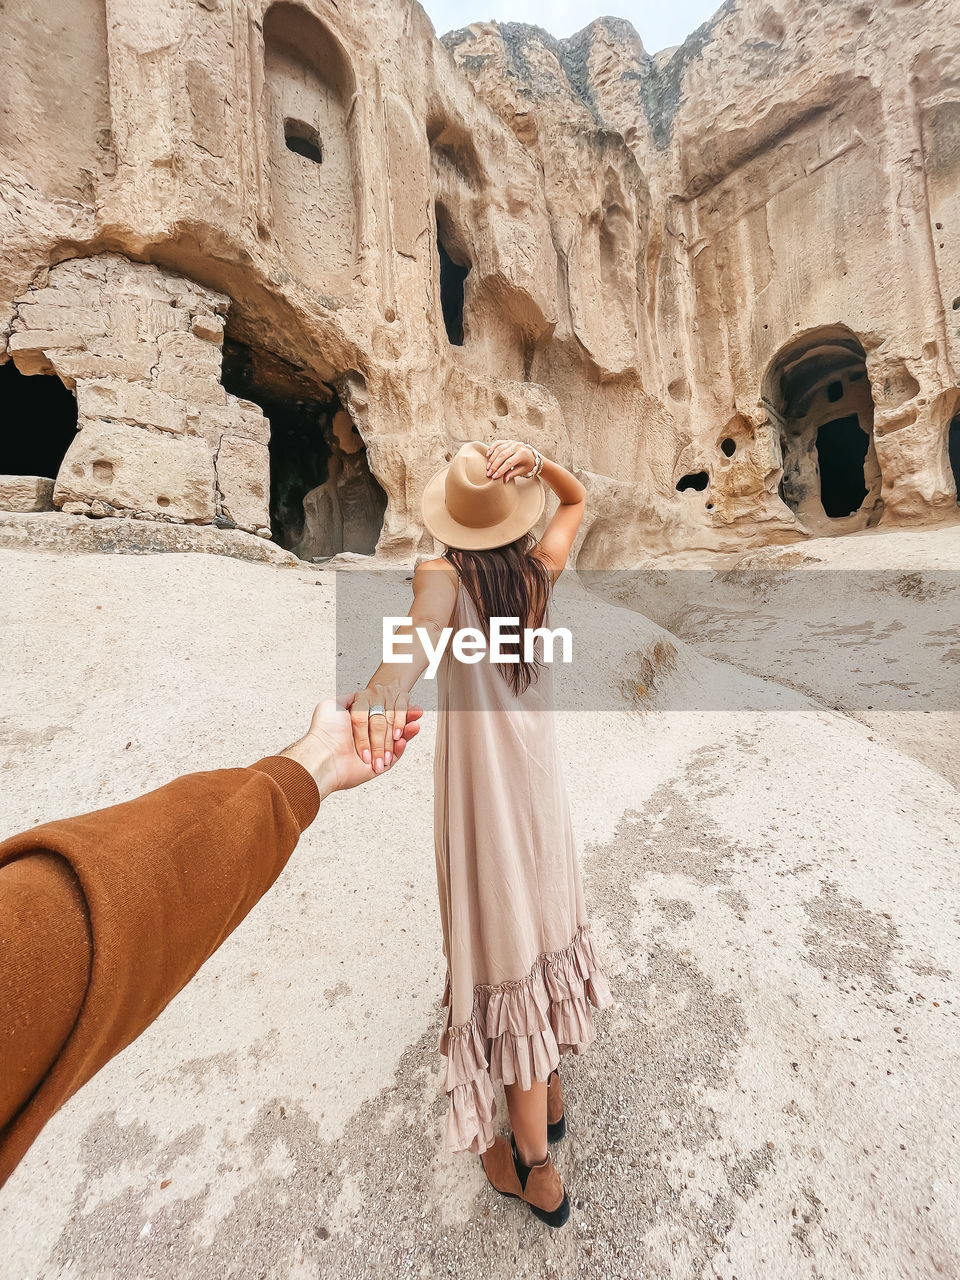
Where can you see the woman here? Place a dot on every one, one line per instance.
(522, 972)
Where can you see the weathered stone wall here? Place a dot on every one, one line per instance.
(658, 270)
(800, 172)
(158, 436)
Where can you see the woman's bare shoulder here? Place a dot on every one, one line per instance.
(437, 562)
(436, 565)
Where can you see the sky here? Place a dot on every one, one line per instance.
(659, 25)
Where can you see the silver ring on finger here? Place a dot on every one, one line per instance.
(378, 710)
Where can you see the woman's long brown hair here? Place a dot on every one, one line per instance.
(507, 582)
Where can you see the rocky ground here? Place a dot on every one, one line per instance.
(773, 886)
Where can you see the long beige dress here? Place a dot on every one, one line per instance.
(522, 972)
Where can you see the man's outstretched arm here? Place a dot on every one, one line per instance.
(104, 917)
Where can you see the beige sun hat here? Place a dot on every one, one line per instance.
(463, 507)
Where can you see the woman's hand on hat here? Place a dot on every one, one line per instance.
(375, 737)
(509, 458)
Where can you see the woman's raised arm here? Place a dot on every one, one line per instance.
(434, 597)
(510, 459)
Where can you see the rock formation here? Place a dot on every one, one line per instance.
(264, 266)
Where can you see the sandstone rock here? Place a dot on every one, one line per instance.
(213, 421)
(241, 466)
(136, 358)
(135, 363)
(37, 339)
(193, 388)
(345, 513)
(752, 213)
(89, 320)
(188, 354)
(347, 436)
(26, 493)
(630, 253)
(114, 400)
(209, 328)
(68, 533)
(134, 469)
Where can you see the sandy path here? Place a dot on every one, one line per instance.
(867, 624)
(774, 892)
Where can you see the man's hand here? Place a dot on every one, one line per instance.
(327, 749)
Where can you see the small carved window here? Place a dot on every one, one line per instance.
(303, 140)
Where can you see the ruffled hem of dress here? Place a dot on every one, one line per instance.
(516, 1034)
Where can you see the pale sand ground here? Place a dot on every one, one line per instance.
(867, 624)
(774, 891)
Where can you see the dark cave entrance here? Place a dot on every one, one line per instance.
(818, 399)
(454, 269)
(841, 451)
(323, 497)
(303, 140)
(953, 452)
(40, 422)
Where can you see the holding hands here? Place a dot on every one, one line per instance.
(327, 749)
(378, 715)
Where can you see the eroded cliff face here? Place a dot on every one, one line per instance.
(720, 283)
(767, 235)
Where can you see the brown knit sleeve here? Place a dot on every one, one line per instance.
(158, 883)
(46, 952)
(296, 784)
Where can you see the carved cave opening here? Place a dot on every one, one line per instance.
(303, 140)
(324, 499)
(841, 451)
(818, 398)
(953, 452)
(41, 422)
(454, 268)
(315, 171)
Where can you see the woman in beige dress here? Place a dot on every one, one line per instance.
(522, 971)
